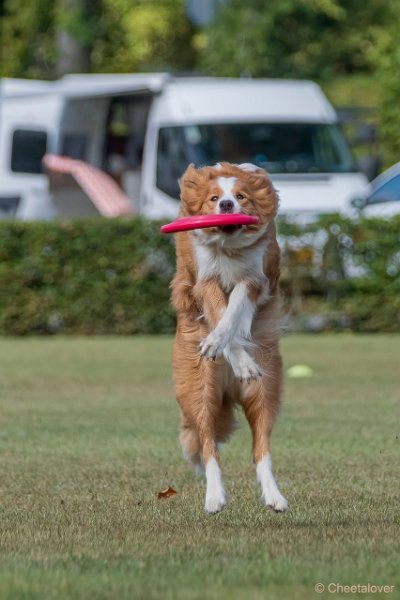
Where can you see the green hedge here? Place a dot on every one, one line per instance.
(90, 277)
(112, 276)
(345, 271)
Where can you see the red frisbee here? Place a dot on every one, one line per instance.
(201, 221)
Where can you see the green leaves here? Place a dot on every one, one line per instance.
(94, 276)
(318, 39)
(112, 276)
(114, 35)
(349, 271)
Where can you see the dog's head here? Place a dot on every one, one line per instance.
(226, 188)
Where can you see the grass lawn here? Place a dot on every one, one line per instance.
(88, 435)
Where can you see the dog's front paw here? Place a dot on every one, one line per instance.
(213, 345)
(243, 366)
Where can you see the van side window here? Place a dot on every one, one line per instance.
(8, 206)
(28, 148)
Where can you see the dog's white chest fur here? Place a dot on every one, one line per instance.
(230, 269)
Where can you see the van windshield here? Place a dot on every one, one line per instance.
(277, 147)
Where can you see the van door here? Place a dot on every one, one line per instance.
(82, 130)
(125, 133)
(108, 132)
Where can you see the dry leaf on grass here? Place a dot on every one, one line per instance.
(169, 491)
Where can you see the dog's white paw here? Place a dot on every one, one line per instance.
(215, 502)
(276, 501)
(270, 491)
(213, 345)
(215, 492)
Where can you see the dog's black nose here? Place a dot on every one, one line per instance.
(226, 206)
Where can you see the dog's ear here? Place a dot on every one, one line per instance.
(191, 190)
(262, 190)
(258, 177)
(273, 260)
(190, 178)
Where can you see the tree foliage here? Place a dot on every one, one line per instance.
(27, 38)
(319, 39)
(159, 34)
(294, 38)
(114, 35)
(386, 56)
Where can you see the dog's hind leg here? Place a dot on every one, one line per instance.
(215, 492)
(199, 392)
(201, 448)
(261, 404)
(211, 421)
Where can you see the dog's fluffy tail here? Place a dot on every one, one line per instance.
(190, 444)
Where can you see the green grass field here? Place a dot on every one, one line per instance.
(88, 436)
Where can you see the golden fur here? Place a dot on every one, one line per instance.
(207, 388)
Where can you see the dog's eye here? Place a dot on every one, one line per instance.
(239, 197)
(214, 198)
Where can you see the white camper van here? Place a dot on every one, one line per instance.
(143, 130)
(29, 121)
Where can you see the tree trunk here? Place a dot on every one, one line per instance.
(75, 35)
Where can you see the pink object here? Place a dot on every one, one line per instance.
(201, 221)
(106, 195)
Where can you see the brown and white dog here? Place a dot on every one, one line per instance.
(226, 350)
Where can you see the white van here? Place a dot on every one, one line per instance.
(29, 120)
(144, 129)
